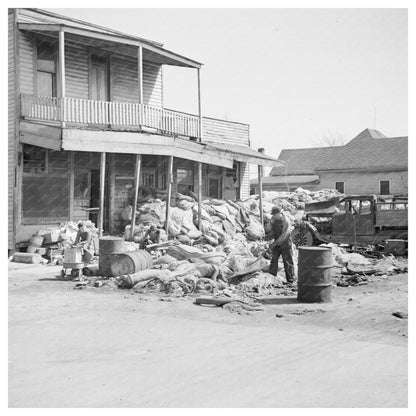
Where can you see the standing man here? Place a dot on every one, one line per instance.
(84, 240)
(282, 244)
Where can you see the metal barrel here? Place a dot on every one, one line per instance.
(35, 243)
(314, 274)
(108, 246)
(130, 262)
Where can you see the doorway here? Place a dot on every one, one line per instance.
(99, 85)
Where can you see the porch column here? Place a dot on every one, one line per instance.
(111, 191)
(169, 194)
(199, 105)
(140, 80)
(61, 67)
(136, 193)
(260, 175)
(199, 195)
(102, 184)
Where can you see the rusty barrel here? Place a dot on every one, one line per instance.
(130, 262)
(314, 274)
(108, 246)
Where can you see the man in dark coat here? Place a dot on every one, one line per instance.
(282, 244)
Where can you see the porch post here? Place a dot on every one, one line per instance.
(199, 195)
(102, 184)
(199, 105)
(260, 175)
(136, 193)
(169, 194)
(61, 65)
(140, 81)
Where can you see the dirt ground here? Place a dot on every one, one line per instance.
(117, 348)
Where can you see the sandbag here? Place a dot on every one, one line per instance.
(128, 281)
(213, 257)
(255, 231)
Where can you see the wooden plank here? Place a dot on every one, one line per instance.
(169, 194)
(14, 169)
(102, 195)
(61, 69)
(140, 73)
(39, 140)
(136, 194)
(199, 196)
(142, 143)
(199, 105)
(111, 192)
(71, 185)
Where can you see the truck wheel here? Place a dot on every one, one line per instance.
(302, 237)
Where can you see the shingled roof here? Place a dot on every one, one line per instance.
(302, 161)
(369, 150)
(369, 154)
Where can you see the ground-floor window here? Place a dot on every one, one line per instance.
(384, 187)
(45, 185)
(340, 187)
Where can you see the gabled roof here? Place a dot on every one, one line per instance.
(369, 154)
(369, 150)
(301, 161)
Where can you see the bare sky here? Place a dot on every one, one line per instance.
(294, 75)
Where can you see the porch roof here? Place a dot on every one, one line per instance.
(90, 140)
(114, 41)
(244, 154)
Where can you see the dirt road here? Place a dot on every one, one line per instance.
(101, 348)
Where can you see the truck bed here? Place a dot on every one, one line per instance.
(391, 218)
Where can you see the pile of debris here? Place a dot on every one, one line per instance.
(228, 256)
(354, 269)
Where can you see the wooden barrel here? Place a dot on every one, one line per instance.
(35, 243)
(130, 262)
(108, 246)
(314, 274)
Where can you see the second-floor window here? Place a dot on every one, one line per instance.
(46, 69)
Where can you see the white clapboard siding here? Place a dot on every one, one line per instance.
(26, 69)
(152, 84)
(222, 131)
(125, 85)
(228, 132)
(245, 180)
(11, 130)
(76, 71)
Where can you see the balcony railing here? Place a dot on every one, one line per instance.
(80, 111)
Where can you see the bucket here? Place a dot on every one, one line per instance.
(73, 255)
(130, 262)
(314, 274)
(35, 243)
(108, 246)
(396, 247)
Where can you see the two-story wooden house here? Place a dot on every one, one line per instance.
(87, 125)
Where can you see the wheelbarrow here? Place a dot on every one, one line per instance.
(73, 260)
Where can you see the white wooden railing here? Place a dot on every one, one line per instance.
(80, 111)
